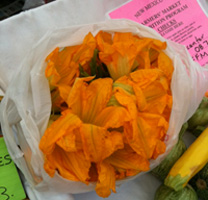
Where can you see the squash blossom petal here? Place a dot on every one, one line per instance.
(145, 100)
(63, 65)
(106, 179)
(70, 165)
(87, 127)
(127, 159)
(98, 143)
(121, 54)
(165, 64)
(148, 56)
(67, 123)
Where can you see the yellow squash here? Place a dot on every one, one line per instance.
(191, 162)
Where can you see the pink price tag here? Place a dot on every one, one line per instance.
(181, 21)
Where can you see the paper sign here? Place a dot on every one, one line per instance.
(10, 185)
(182, 21)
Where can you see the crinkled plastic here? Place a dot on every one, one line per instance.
(26, 107)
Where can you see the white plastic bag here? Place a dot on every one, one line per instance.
(25, 109)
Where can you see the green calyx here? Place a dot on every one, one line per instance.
(125, 87)
(97, 68)
(113, 101)
(176, 182)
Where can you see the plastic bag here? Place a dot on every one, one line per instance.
(26, 107)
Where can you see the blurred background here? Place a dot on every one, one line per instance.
(12, 7)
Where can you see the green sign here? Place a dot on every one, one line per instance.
(10, 184)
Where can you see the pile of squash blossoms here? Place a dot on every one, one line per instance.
(111, 104)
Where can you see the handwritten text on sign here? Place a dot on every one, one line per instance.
(10, 184)
(181, 21)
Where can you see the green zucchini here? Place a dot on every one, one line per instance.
(166, 193)
(162, 170)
